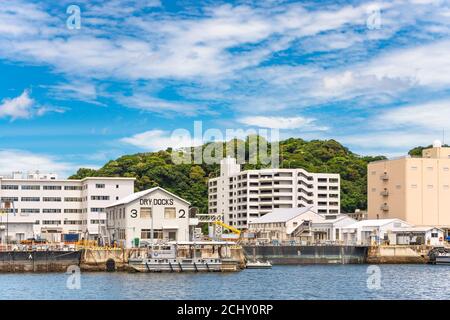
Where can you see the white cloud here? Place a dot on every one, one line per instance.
(281, 122)
(23, 107)
(435, 114)
(19, 107)
(19, 160)
(154, 140)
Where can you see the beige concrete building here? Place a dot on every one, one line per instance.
(414, 189)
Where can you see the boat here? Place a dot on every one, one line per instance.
(439, 255)
(443, 258)
(259, 265)
(185, 256)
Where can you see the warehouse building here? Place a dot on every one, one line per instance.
(242, 196)
(413, 189)
(153, 215)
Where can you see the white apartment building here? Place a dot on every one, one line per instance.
(59, 207)
(245, 195)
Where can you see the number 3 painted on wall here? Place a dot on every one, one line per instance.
(134, 213)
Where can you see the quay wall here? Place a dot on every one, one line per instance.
(397, 254)
(38, 261)
(311, 254)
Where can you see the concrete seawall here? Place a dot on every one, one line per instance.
(38, 261)
(322, 254)
(398, 254)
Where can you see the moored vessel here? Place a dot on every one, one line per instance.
(186, 256)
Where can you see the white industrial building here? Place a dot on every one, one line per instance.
(431, 236)
(242, 196)
(299, 225)
(150, 215)
(370, 232)
(57, 207)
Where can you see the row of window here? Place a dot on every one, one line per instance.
(51, 187)
(415, 186)
(53, 210)
(415, 168)
(53, 199)
(70, 222)
(144, 213)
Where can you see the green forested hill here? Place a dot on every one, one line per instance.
(190, 180)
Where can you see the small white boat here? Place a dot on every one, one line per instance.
(443, 258)
(259, 265)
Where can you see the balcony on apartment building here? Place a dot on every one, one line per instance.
(384, 193)
(384, 207)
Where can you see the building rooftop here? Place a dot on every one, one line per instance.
(415, 229)
(282, 215)
(372, 223)
(137, 195)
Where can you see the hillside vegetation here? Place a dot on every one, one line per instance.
(190, 180)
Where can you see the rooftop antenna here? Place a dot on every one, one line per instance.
(443, 136)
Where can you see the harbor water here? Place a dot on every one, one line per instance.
(282, 282)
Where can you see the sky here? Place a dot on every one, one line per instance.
(375, 76)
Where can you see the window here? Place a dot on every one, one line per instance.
(99, 197)
(30, 199)
(97, 221)
(146, 213)
(51, 199)
(30, 210)
(10, 199)
(73, 222)
(97, 209)
(10, 187)
(70, 199)
(49, 222)
(51, 210)
(73, 188)
(100, 185)
(73, 211)
(172, 235)
(147, 234)
(170, 213)
(434, 235)
(52, 187)
(31, 187)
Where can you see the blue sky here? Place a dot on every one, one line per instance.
(373, 75)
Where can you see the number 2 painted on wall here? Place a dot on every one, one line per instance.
(182, 213)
